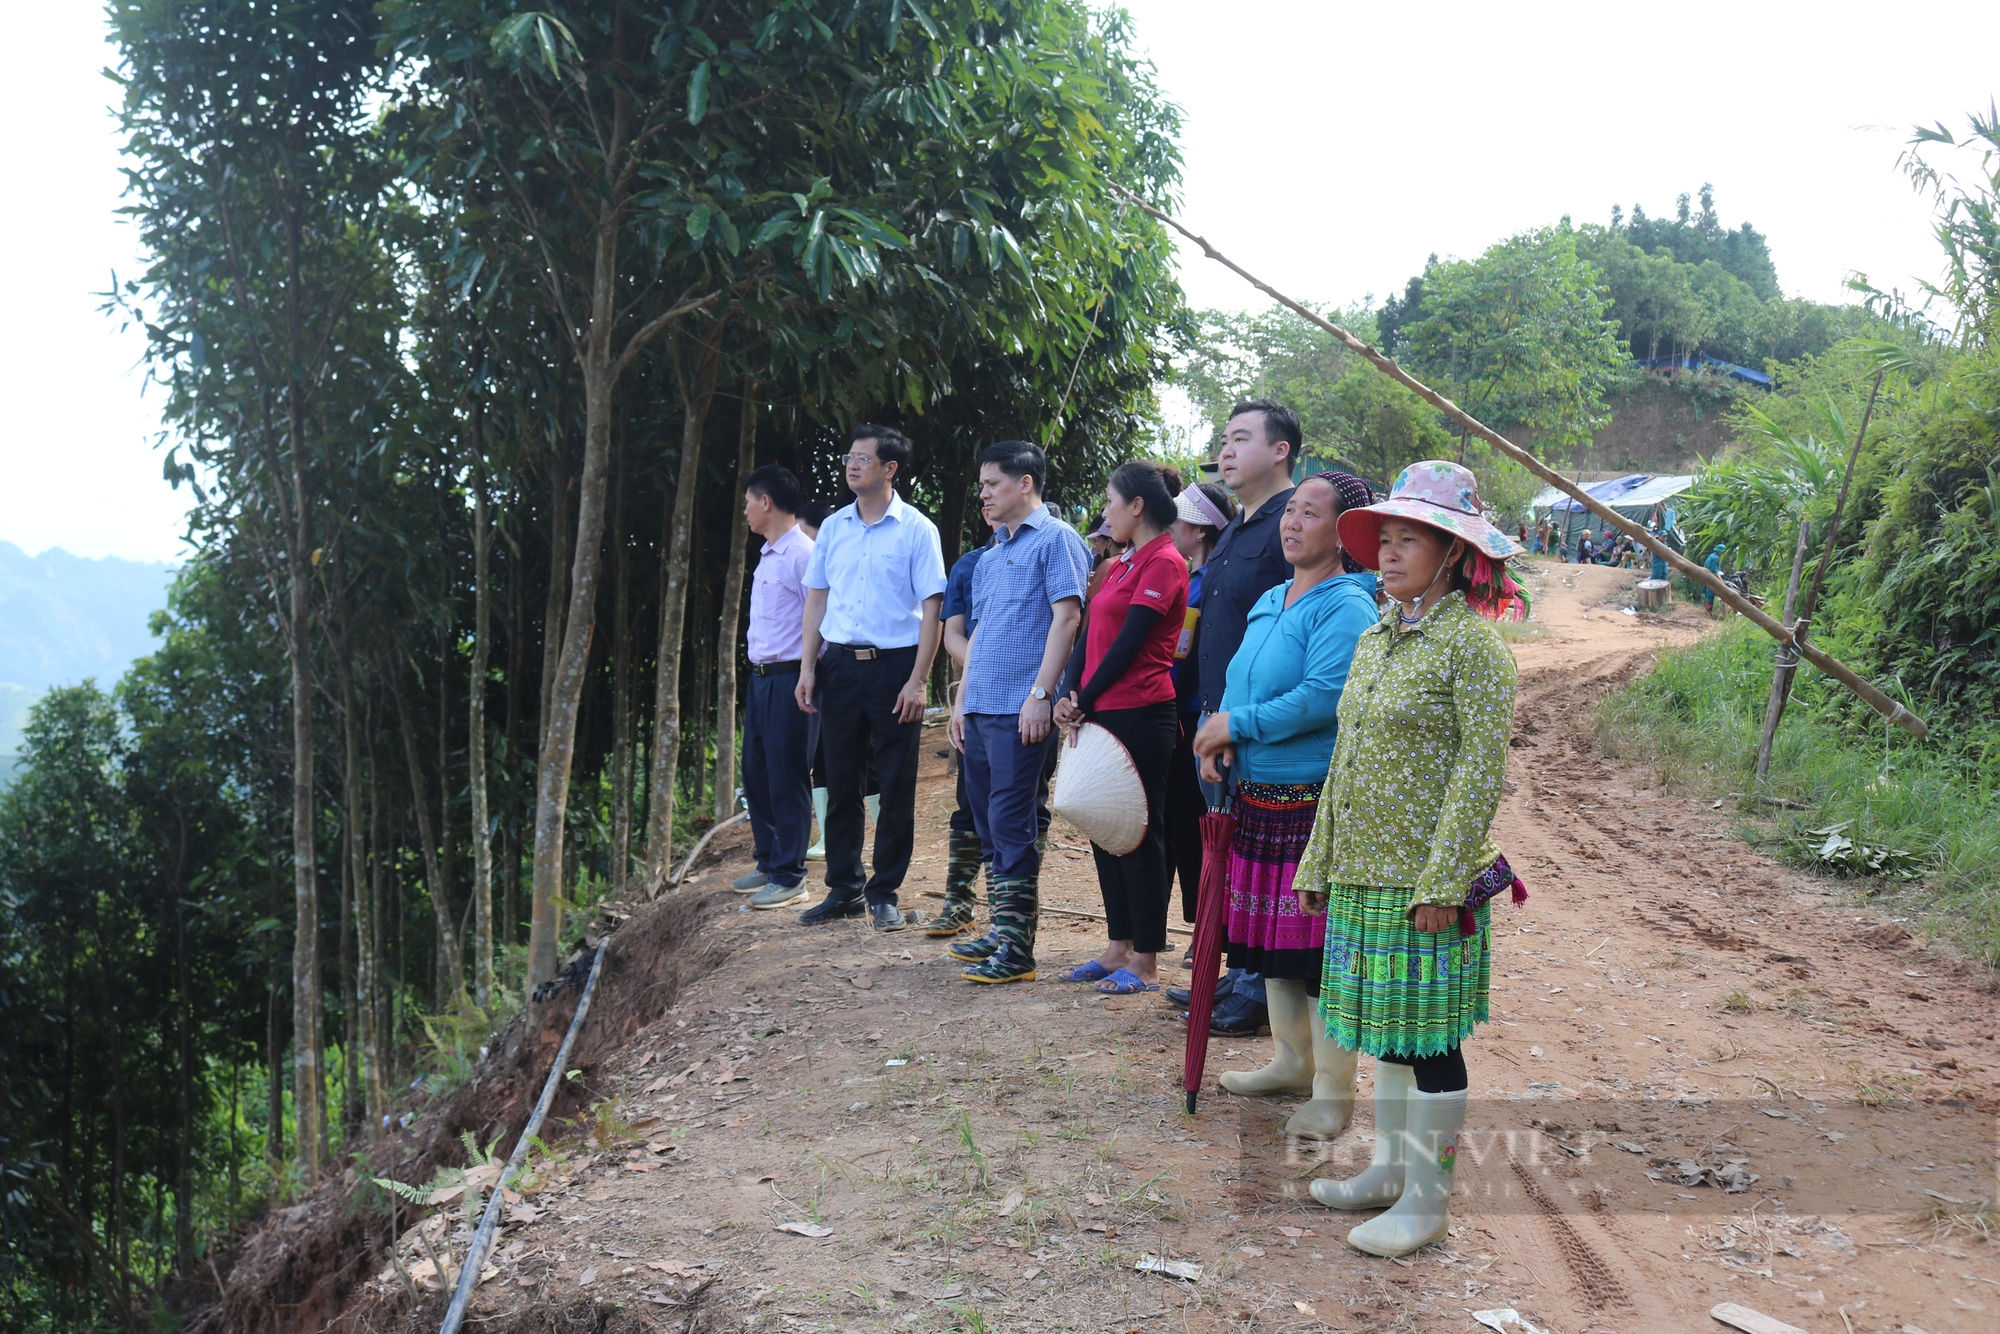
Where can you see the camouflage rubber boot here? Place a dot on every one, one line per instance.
(1016, 909)
(960, 871)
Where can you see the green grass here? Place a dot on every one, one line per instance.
(1696, 720)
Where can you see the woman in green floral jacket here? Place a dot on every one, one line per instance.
(1400, 857)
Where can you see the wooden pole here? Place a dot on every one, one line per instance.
(1832, 666)
(1788, 661)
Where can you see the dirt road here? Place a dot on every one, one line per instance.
(1708, 1079)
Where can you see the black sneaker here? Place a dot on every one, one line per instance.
(887, 917)
(1182, 997)
(1239, 1015)
(832, 910)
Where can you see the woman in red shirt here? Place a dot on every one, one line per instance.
(1121, 679)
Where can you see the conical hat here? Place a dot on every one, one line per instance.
(1098, 790)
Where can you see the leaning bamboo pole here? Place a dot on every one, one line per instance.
(1832, 666)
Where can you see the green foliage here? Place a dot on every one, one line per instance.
(1697, 719)
(1350, 413)
(1752, 502)
(1930, 578)
(129, 998)
(1700, 238)
(1968, 225)
(1519, 338)
(1689, 286)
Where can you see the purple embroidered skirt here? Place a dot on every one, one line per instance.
(1268, 932)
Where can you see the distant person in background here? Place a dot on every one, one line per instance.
(1659, 570)
(778, 736)
(812, 513)
(1201, 512)
(873, 592)
(1121, 679)
(1586, 553)
(1714, 566)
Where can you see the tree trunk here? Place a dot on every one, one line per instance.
(517, 672)
(449, 979)
(308, 1121)
(475, 740)
(1788, 662)
(351, 1114)
(357, 923)
(552, 769)
(448, 652)
(381, 1027)
(274, 1046)
(552, 610)
(621, 688)
(726, 650)
(694, 366)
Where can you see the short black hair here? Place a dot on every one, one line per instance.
(812, 513)
(776, 485)
(891, 445)
(1018, 458)
(1141, 481)
(1280, 422)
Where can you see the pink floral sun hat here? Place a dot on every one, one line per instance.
(1439, 494)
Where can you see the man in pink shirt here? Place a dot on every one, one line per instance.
(778, 735)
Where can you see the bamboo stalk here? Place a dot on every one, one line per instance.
(1832, 666)
(1788, 662)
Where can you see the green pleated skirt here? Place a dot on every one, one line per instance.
(1390, 990)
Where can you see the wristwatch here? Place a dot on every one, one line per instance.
(1038, 693)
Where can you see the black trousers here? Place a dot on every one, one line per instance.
(1185, 807)
(777, 786)
(860, 734)
(1443, 1073)
(1136, 886)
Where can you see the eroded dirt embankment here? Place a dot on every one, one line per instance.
(1708, 1079)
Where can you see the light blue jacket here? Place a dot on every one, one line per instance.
(1284, 682)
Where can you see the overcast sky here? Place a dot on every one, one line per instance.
(1330, 148)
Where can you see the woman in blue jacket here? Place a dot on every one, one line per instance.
(1275, 734)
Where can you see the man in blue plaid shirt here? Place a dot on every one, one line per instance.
(1027, 602)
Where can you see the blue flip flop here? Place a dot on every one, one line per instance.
(1125, 983)
(1086, 972)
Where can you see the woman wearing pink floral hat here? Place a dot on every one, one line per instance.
(1400, 857)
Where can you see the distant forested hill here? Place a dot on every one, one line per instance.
(63, 618)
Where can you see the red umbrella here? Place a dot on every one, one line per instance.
(1218, 832)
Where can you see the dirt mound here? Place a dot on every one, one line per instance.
(303, 1266)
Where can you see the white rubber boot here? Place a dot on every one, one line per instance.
(1381, 1182)
(1332, 1107)
(817, 852)
(1290, 1070)
(1422, 1214)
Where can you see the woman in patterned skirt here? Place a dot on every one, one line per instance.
(1274, 734)
(1400, 856)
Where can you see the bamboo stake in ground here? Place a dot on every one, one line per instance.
(1788, 661)
(1832, 666)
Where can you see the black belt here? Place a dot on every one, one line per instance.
(775, 668)
(868, 652)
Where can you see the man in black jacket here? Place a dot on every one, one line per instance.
(1260, 447)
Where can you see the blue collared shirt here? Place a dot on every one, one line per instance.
(876, 575)
(1015, 587)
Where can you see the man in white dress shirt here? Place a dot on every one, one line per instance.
(874, 587)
